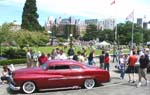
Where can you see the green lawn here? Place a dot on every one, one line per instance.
(48, 49)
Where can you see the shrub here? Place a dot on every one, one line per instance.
(12, 53)
(12, 61)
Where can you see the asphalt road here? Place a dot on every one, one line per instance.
(115, 87)
(112, 88)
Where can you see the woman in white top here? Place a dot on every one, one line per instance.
(122, 66)
(5, 74)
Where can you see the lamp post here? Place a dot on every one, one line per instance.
(71, 40)
(50, 39)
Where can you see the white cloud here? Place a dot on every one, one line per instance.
(12, 2)
(90, 8)
(95, 8)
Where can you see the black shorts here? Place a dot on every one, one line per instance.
(131, 69)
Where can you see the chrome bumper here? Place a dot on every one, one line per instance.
(12, 87)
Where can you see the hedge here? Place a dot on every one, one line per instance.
(12, 61)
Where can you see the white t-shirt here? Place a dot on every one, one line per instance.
(28, 56)
(122, 61)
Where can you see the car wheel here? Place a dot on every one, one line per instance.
(28, 87)
(89, 83)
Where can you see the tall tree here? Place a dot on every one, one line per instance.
(91, 32)
(125, 31)
(30, 16)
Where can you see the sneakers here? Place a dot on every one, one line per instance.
(131, 81)
(147, 83)
(138, 85)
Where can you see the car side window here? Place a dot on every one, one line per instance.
(51, 68)
(76, 67)
(60, 67)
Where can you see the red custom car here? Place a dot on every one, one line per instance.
(58, 74)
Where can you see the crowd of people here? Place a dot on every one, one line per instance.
(136, 57)
(39, 58)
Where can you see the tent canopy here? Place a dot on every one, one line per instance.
(103, 43)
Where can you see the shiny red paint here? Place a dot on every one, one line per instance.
(45, 78)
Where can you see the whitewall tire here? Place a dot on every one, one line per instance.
(28, 87)
(89, 83)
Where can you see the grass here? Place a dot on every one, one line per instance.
(48, 49)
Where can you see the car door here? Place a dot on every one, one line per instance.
(76, 75)
(57, 76)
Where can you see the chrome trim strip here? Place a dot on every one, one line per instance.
(76, 77)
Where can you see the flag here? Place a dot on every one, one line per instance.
(113, 2)
(130, 16)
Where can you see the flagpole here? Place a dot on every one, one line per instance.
(114, 3)
(144, 20)
(132, 31)
(116, 32)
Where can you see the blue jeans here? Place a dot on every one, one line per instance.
(4, 78)
(91, 62)
(106, 66)
(122, 72)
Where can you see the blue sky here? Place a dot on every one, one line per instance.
(81, 9)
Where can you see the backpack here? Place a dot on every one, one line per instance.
(75, 57)
(90, 57)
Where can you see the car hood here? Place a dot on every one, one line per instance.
(29, 70)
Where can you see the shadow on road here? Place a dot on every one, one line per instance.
(9, 91)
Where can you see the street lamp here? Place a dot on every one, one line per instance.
(50, 39)
(71, 40)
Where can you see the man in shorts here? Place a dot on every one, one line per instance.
(144, 60)
(131, 66)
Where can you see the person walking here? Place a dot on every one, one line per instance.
(91, 57)
(115, 55)
(101, 59)
(122, 66)
(144, 60)
(131, 66)
(106, 61)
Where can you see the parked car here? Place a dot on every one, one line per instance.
(58, 74)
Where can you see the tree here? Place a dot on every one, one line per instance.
(124, 32)
(5, 34)
(91, 32)
(24, 38)
(29, 16)
(109, 35)
(146, 35)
